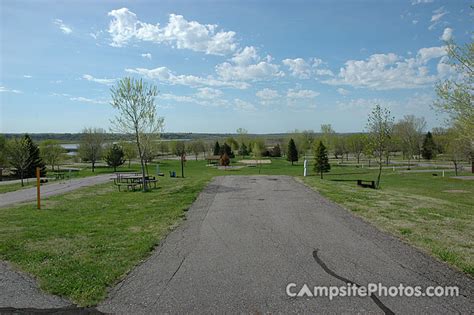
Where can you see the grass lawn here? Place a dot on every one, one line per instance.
(433, 213)
(16, 186)
(84, 241)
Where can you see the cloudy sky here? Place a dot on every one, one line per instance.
(267, 66)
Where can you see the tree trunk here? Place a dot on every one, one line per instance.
(93, 166)
(321, 174)
(455, 167)
(358, 158)
(380, 172)
(129, 162)
(21, 177)
(142, 163)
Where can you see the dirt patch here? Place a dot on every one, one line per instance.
(456, 191)
(255, 161)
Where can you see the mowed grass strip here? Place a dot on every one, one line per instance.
(80, 243)
(433, 213)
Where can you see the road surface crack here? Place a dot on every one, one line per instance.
(374, 298)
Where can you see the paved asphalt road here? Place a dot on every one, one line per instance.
(29, 194)
(247, 237)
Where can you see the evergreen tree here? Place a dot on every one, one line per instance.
(321, 164)
(114, 156)
(276, 152)
(428, 150)
(217, 148)
(243, 151)
(225, 148)
(292, 154)
(35, 159)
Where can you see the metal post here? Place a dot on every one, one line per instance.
(38, 185)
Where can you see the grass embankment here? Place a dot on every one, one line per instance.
(84, 241)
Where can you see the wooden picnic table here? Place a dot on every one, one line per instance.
(131, 181)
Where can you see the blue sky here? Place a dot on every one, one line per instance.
(267, 66)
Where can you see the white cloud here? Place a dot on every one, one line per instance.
(390, 71)
(27, 76)
(267, 94)
(342, 91)
(165, 75)
(298, 67)
(243, 105)
(95, 35)
(88, 100)
(447, 34)
(426, 54)
(88, 77)
(438, 14)
(194, 99)
(414, 2)
(208, 93)
(303, 69)
(436, 17)
(63, 27)
(146, 55)
(7, 90)
(179, 32)
(294, 94)
(415, 21)
(246, 65)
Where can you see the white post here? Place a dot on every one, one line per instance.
(305, 172)
(443, 173)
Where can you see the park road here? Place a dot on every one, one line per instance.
(57, 188)
(247, 237)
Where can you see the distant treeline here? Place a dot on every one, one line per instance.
(76, 137)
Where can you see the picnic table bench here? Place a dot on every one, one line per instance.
(134, 180)
(366, 183)
(59, 175)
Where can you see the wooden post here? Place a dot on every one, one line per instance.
(38, 185)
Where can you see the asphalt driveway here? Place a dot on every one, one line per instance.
(247, 237)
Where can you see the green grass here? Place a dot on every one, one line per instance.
(16, 186)
(82, 242)
(433, 213)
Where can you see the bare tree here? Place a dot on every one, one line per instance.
(379, 126)
(91, 146)
(135, 102)
(18, 154)
(52, 152)
(356, 143)
(410, 132)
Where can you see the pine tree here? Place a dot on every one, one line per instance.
(321, 164)
(428, 150)
(35, 159)
(243, 151)
(217, 148)
(292, 154)
(276, 151)
(225, 148)
(115, 156)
